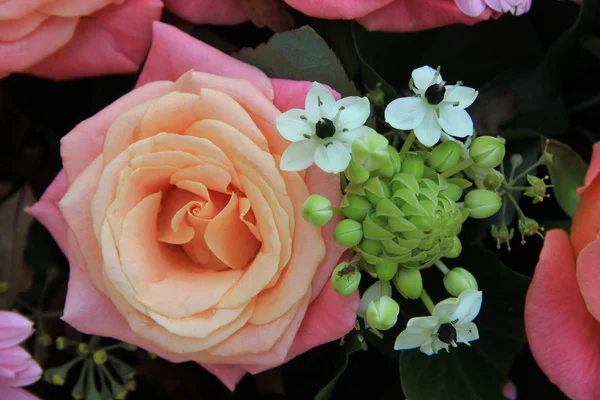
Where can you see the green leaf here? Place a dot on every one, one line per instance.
(567, 172)
(352, 345)
(591, 44)
(480, 371)
(300, 54)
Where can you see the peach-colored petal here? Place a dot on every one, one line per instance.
(418, 15)
(14, 29)
(113, 40)
(72, 8)
(588, 277)
(593, 169)
(586, 220)
(173, 53)
(222, 12)
(337, 9)
(563, 337)
(14, 9)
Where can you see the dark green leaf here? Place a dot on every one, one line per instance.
(566, 174)
(300, 54)
(480, 371)
(591, 44)
(352, 345)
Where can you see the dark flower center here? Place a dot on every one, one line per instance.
(435, 94)
(447, 333)
(325, 128)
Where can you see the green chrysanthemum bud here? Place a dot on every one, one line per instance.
(356, 173)
(370, 151)
(493, 180)
(345, 279)
(413, 164)
(482, 203)
(317, 210)
(392, 164)
(370, 246)
(502, 235)
(348, 232)
(456, 248)
(409, 283)
(454, 192)
(356, 207)
(529, 227)
(458, 280)
(382, 314)
(376, 189)
(537, 190)
(386, 270)
(487, 151)
(444, 156)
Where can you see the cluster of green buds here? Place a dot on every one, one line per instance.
(404, 211)
(102, 376)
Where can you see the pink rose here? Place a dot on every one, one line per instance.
(64, 39)
(562, 309)
(375, 15)
(184, 237)
(17, 368)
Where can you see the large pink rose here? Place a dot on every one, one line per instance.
(562, 311)
(183, 235)
(375, 15)
(64, 39)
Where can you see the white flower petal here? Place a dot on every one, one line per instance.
(463, 95)
(470, 7)
(455, 121)
(445, 308)
(427, 347)
(319, 102)
(333, 158)
(469, 304)
(423, 77)
(466, 333)
(348, 137)
(423, 324)
(406, 112)
(294, 128)
(407, 340)
(299, 155)
(496, 5)
(429, 131)
(370, 295)
(355, 112)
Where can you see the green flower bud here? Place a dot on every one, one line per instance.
(317, 210)
(61, 343)
(453, 192)
(3, 287)
(386, 270)
(493, 180)
(458, 280)
(482, 203)
(516, 160)
(382, 314)
(502, 235)
(392, 164)
(100, 357)
(45, 340)
(345, 279)
(83, 349)
(348, 232)
(376, 189)
(58, 375)
(537, 190)
(356, 207)
(413, 164)
(370, 246)
(456, 248)
(370, 150)
(409, 283)
(487, 151)
(356, 173)
(529, 227)
(444, 156)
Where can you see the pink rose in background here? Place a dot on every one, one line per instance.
(375, 15)
(133, 218)
(65, 39)
(17, 368)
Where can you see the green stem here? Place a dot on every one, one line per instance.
(458, 167)
(114, 347)
(584, 105)
(408, 143)
(522, 174)
(26, 306)
(376, 333)
(51, 314)
(93, 343)
(514, 203)
(516, 188)
(427, 301)
(386, 289)
(441, 266)
(503, 213)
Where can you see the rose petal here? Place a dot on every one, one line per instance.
(563, 336)
(230, 375)
(15, 394)
(337, 9)
(14, 329)
(593, 169)
(15, 9)
(586, 220)
(222, 12)
(588, 277)
(12, 30)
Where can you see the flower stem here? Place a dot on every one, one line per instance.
(408, 142)
(516, 188)
(522, 174)
(584, 105)
(427, 301)
(376, 333)
(458, 167)
(514, 202)
(386, 289)
(441, 266)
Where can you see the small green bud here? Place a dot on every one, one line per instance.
(444, 156)
(537, 190)
(493, 180)
(529, 227)
(456, 248)
(348, 232)
(409, 283)
(377, 96)
(392, 164)
(100, 356)
(370, 150)
(61, 343)
(516, 160)
(376, 189)
(458, 280)
(413, 164)
(370, 246)
(482, 203)
(345, 279)
(45, 340)
(502, 235)
(356, 207)
(487, 151)
(57, 376)
(83, 349)
(356, 173)
(386, 270)
(454, 192)
(382, 314)
(317, 210)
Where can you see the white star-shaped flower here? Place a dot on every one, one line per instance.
(436, 106)
(451, 322)
(323, 132)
